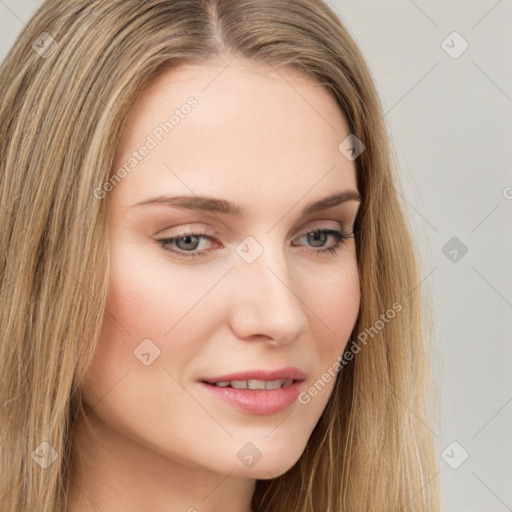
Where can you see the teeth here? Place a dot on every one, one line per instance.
(287, 382)
(255, 384)
(273, 384)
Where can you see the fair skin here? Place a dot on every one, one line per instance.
(269, 142)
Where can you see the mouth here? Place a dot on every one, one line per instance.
(259, 392)
(257, 378)
(253, 384)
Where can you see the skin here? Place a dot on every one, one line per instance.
(154, 440)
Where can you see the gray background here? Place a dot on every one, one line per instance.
(450, 121)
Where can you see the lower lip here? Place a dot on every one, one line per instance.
(258, 401)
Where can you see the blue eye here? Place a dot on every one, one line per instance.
(320, 235)
(190, 241)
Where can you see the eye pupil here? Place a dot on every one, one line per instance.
(316, 236)
(188, 238)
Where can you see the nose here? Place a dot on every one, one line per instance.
(266, 303)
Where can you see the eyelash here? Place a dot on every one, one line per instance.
(339, 236)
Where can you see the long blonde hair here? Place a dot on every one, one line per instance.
(67, 86)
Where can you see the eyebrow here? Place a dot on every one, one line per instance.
(226, 207)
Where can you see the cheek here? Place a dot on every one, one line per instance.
(341, 300)
(335, 303)
(335, 308)
(131, 316)
(135, 297)
(152, 291)
(146, 300)
(334, 311)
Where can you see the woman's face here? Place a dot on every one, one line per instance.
(199, 293)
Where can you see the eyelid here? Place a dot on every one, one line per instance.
(311, 227)
(188, 229)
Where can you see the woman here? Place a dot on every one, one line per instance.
(279, 362)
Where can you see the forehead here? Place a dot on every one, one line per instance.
(225, 86)
(252, 126)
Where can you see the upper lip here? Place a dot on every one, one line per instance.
(259, 374)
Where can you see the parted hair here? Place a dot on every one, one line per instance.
(67, 86)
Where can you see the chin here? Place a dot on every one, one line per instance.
(270, 466)
(268, 471)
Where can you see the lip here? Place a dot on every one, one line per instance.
(288, 372)
(257, 401)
